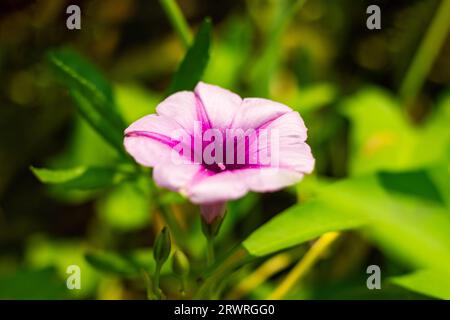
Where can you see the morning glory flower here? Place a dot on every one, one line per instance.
(213, 146)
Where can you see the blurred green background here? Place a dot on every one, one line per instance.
(376, 104)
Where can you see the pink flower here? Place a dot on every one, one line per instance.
(212, 146)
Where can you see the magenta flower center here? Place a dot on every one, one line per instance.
(238, 156)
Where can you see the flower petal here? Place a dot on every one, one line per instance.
(290, 125)
(181, 107)
(231, 185)
(175, 176)
(149, 139)
(220, 104)
(291, 150)
(219, 187)
(269, 179)
(257, 112)
(298, 157)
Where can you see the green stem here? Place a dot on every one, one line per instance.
(156, 289)
(148, 285)
(170, 220)
(426, 54)
(210, 229)
(177, 20)
(183, 287)
(172, 223)
(210, 251)
(236, 257)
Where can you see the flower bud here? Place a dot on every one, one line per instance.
(180, 264)
(212, 217)
(162, 246)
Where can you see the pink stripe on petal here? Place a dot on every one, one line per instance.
(147, 152)
(149, 140)
(202, 115)
(256, 113)
(152, 135)
(220, 104)
(289, 125)
(290, 150)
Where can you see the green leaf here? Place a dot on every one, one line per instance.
(124, 264)
(267, 62)
(416, 183)
(76, 72)
(111, 134)
(191, 69)
(112, 263)
(440, 175)
(127, 206)
(383, 139)
(34, 284)
(60, 253)
(431, 282)
(298, 224)
(409, 229)
(91, 92)
(98, 152)
(82, 178)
